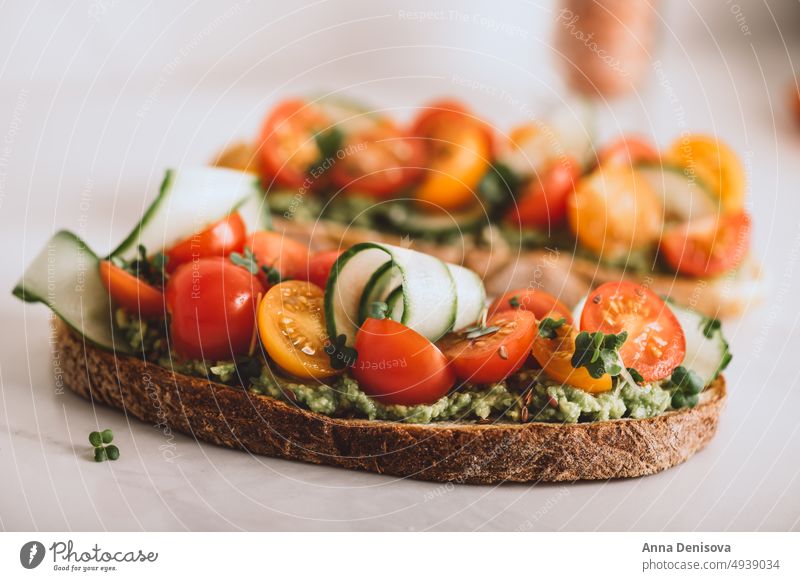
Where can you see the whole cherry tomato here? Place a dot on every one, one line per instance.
(212, 304)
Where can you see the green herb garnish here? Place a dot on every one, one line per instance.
(514, 302)
(247, 260)
(273, 275)
(329, 142)
(710, 326)
(151, 270)
(637, 377)
(548, 327)
(378, 310)
(497, 187)
(341, 355)
(599, 353)
(687, 385)
(101, 451)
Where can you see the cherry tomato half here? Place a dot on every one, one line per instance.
(212, 303)
(458, 149)
(291, 324)
(543, 202)
(494, 356)
(538, 302)
(457, 158)
(628, 150)
(320, 265)
(397, 365)
(614, 211)
(555, 357)
(288, 146)
(275, 250)
(131, 293)
(708, 247)
(381, 161)
(656, 343)
(716, 164)
(218, 240)
(439, 115)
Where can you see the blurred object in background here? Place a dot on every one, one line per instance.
(794, 101)
(604, 45)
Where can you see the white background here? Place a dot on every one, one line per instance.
(98, 97)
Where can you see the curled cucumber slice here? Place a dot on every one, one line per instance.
(65, 277)
(191, 199)
(422, 292)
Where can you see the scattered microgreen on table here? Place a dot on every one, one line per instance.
(103, 448)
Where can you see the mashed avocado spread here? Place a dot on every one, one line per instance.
(543, 399)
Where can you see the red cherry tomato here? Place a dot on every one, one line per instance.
(628, 150)
(494, 356)
(441, 116)
(320, 265)
(132, 293)
(218, 240)
(397, 365)
(288, 147)
(543, 202)
(656, 343)
(380, 161)
(275, 250)
(212, 304)
(708, 247)
(538, 302)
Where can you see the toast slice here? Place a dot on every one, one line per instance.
(445, 452)
(560, 273)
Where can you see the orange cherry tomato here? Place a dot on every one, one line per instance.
(131, 293)
(628, 150)
(538, 302)
(543, 202)
(708, 247)
(288, 147)
(320, 265)
(656, 343)
(555, 357)
(275, 250)
(291, 324)
(494, 356)
(458, 157)
(614, 211)
(458, 148)
(219, 239)
(381, 161)
(717, 166)
(397, 365)
(212, 306)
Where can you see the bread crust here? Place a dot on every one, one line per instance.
(445, 452)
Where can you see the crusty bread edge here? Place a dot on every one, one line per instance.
(445, 452)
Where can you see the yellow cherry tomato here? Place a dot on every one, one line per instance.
(291, 324)
(555, 357)
(613, 211)
(458, 158)
(715, 164)
(241, 156)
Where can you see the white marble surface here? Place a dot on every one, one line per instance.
(98, 97)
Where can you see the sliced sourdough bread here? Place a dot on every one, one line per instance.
(445, 452)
